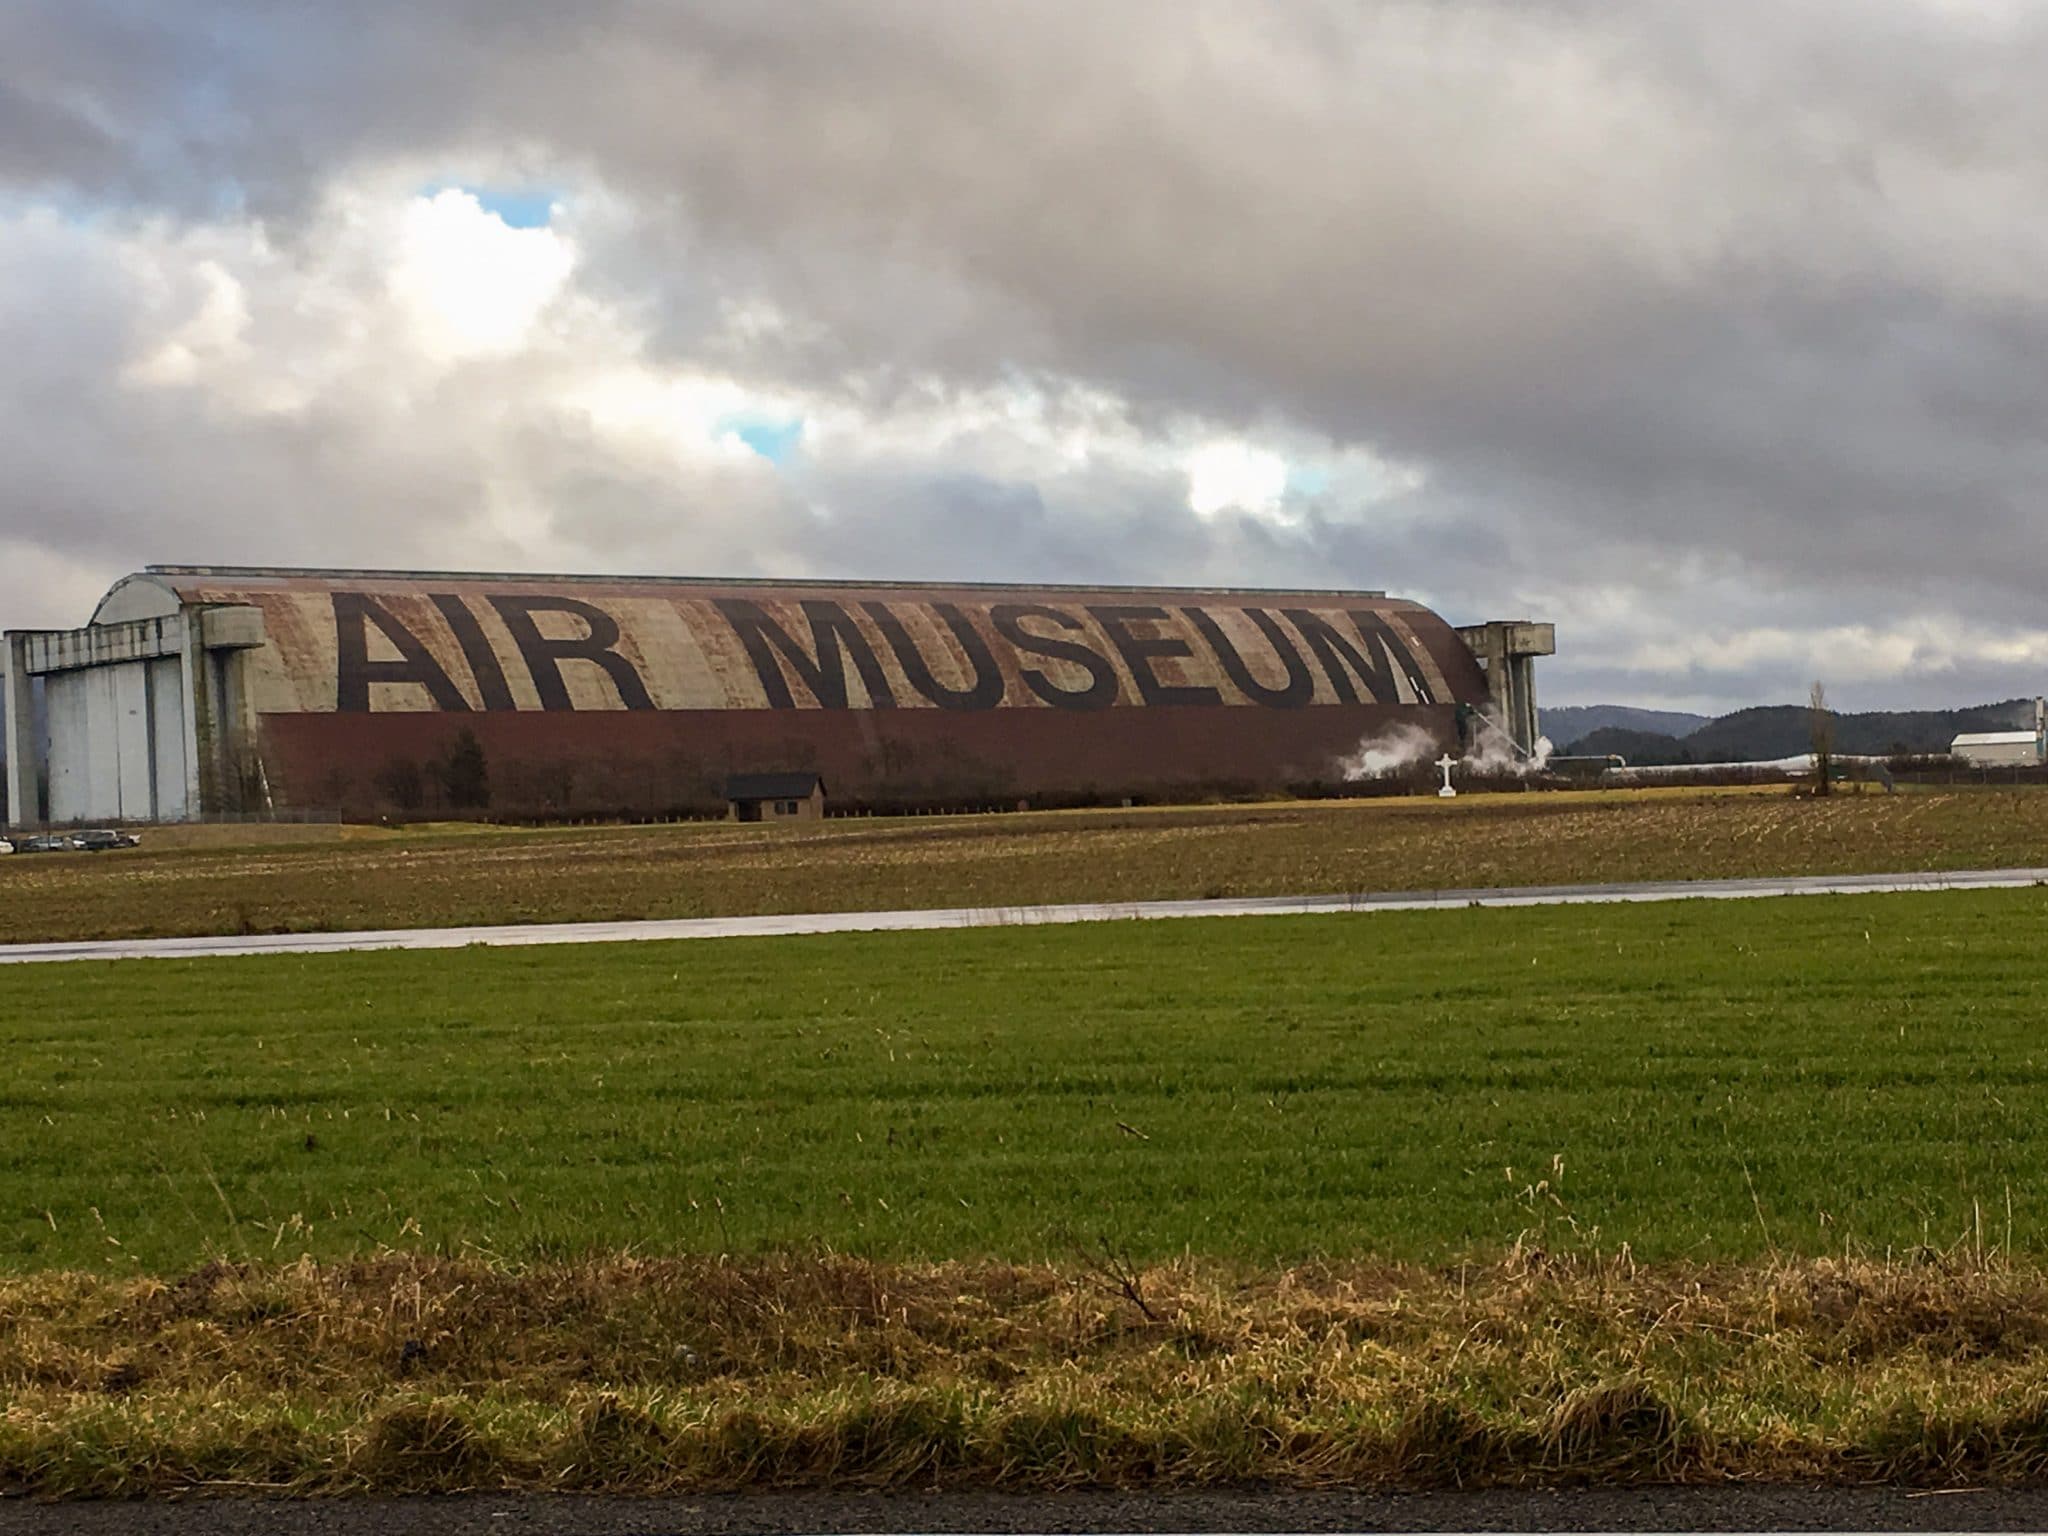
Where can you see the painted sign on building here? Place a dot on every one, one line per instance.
(461, 648)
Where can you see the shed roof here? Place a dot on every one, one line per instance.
(1995, 739)
(772, 786)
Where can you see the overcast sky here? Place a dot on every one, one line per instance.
(1717, 333)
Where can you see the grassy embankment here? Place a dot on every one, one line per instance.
(1307, 1200)
(277, 879)
(694, 1376)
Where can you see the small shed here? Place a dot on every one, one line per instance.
(775, 797)
(1988, 749)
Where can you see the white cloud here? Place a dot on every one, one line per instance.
(213, 336)
(472, 283)
(1233, 475)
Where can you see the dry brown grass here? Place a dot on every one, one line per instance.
(698, 1375)
(319, 879)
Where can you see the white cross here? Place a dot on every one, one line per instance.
(1447, 763)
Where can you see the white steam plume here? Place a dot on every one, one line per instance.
(1393, 750)
(1494, 752)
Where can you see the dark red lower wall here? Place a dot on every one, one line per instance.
(654, 761)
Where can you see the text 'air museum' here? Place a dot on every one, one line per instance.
(198, 692)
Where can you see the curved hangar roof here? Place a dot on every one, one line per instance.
(391, 642)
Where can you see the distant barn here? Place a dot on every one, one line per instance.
(205, 691)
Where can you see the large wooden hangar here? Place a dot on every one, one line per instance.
(198, 691)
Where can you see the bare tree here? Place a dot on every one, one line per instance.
(1820, 722)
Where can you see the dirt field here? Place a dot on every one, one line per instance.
(273, 879)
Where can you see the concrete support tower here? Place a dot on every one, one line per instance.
(1507, 650)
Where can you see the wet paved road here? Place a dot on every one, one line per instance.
(997, 917)
(1632, 1509)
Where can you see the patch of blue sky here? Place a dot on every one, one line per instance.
(1307, 479)
(774, 438)
(516, 207)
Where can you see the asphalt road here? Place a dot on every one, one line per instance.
(994, 917)
(1630, 1509)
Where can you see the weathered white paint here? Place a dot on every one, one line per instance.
(174, 798)
(24, 752)
(137, 597)
(63, 650)
(118, 738)
(119, 727)
(82, 782)
(135, 736)
(134, 705)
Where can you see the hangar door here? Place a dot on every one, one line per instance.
(117, 742)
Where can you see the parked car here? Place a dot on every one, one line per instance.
(49, 842)
(101, 838)
(5, 847)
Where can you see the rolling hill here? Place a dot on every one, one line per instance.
(1784, 730)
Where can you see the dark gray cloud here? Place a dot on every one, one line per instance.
(1686, 317)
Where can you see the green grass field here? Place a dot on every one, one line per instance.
(1698, 1081)
(265, 879)
(1700, 1191)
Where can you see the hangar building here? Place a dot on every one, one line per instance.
(200, 691)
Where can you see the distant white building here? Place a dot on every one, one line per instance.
(1988, 749)
(2005, 749)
